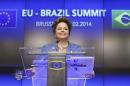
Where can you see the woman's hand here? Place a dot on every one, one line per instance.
(93, 74)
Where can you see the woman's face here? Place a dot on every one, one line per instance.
(62, 31)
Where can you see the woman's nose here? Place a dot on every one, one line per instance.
(62, 30)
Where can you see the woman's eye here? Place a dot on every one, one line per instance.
(65, 28)
(58, 28)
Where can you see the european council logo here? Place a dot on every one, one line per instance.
(7, 18)
(121, 19)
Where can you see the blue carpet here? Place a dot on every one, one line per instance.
(98, 80)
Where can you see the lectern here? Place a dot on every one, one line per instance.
(57, 69)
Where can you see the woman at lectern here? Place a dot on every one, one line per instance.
(61, 29)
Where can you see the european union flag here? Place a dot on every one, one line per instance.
(7, 18)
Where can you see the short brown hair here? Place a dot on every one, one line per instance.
(59, 20)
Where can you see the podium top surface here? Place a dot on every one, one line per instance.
(56, 53)
(53, 51)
